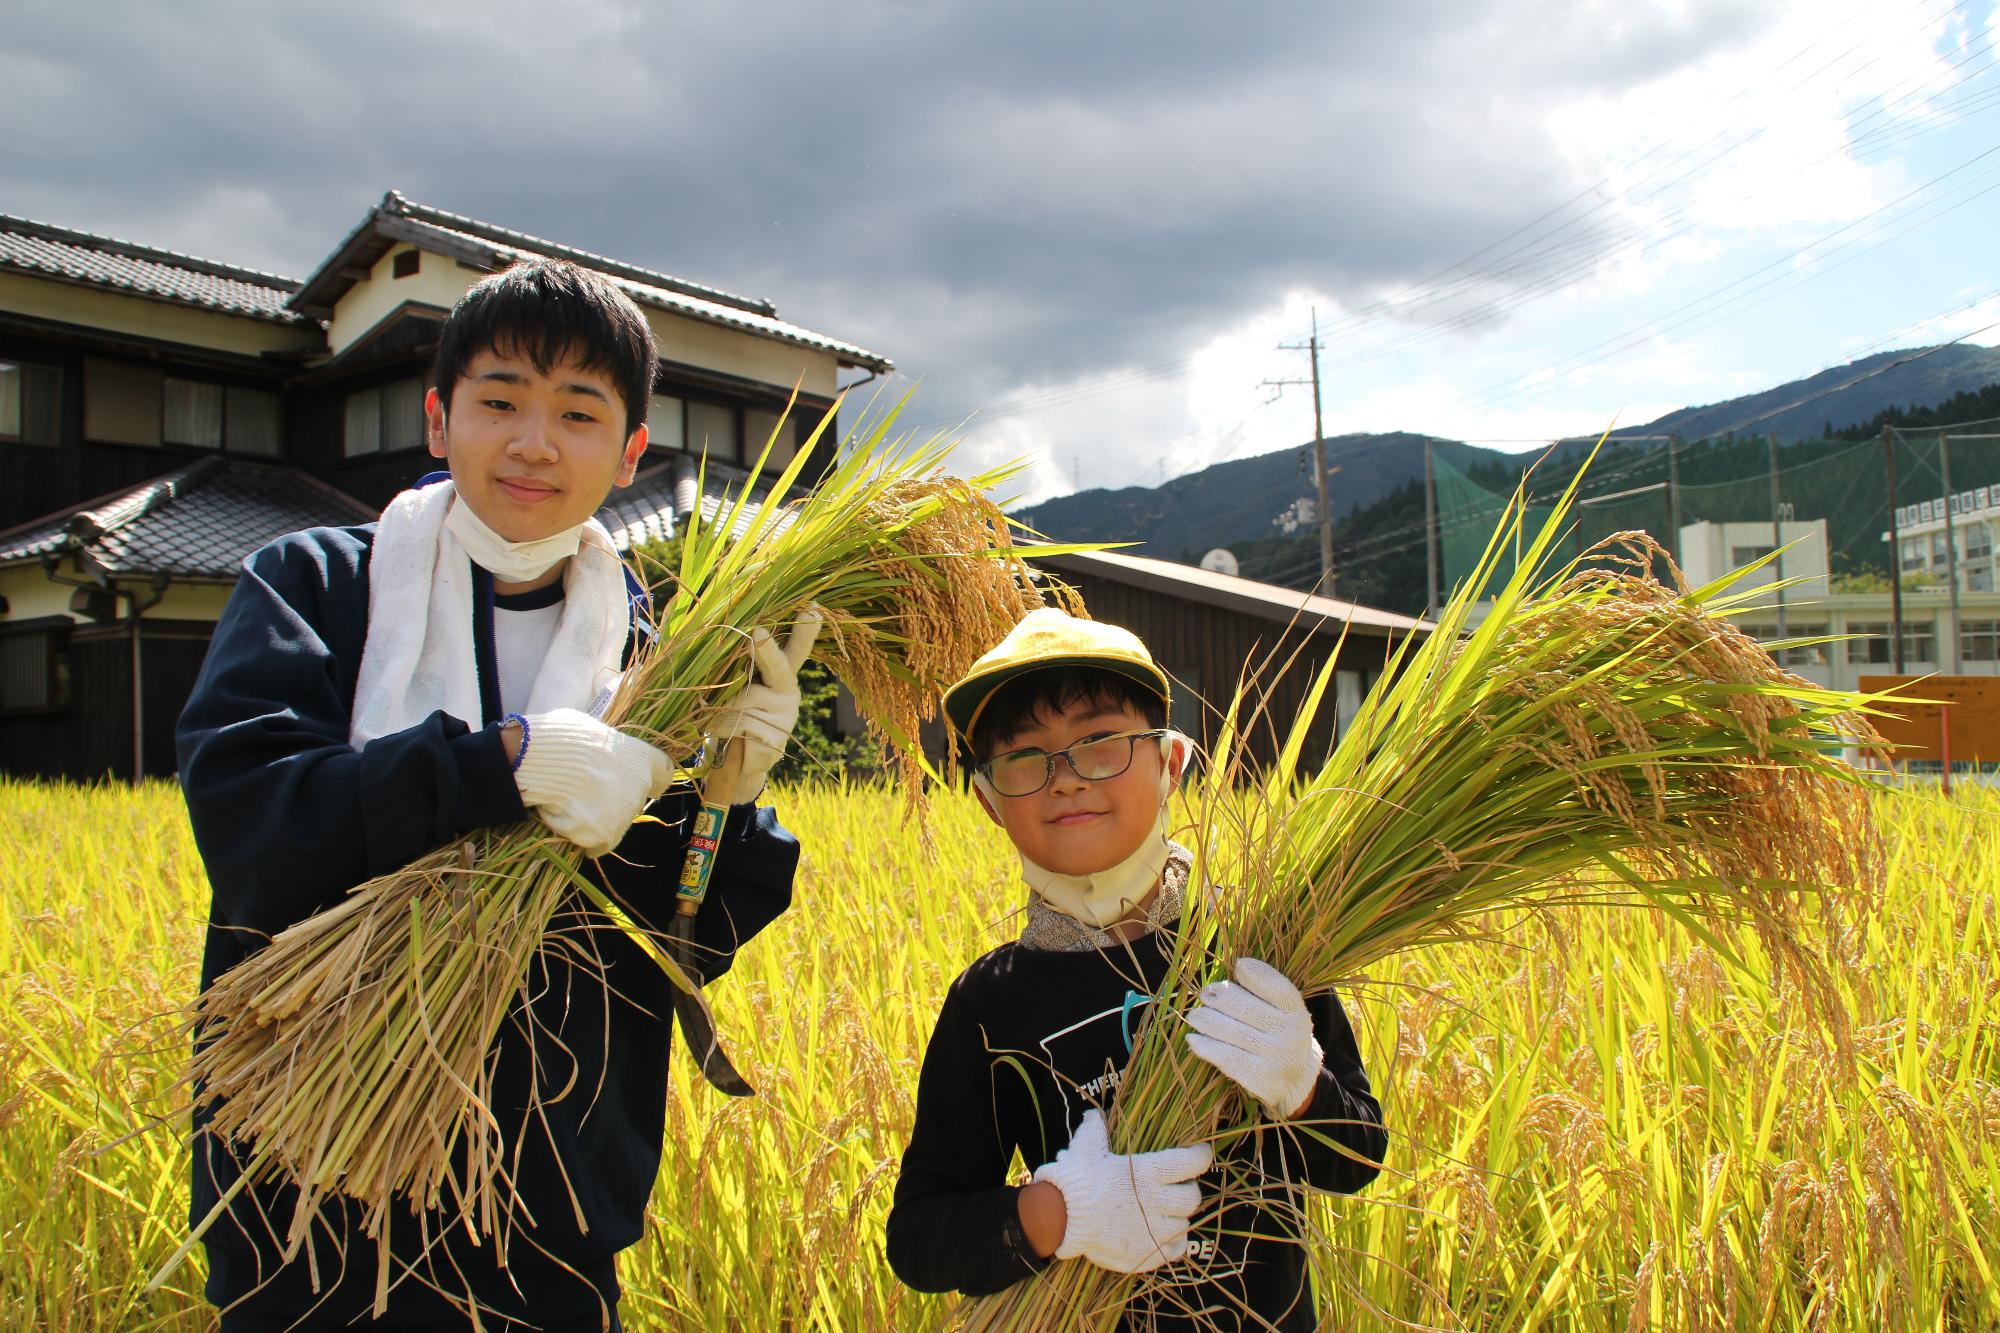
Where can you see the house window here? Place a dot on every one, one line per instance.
(132, 404)
(30, 403)
(1813, 654)
(1740, 556)
(712, 429)
(384, 419)
(1870, 646)
(34, 670)
(1913, 553)
(406, 263)
(122, 402)
(1977, 542)
(1809, 654)
(666, 422)
(193, 414)
(1979, 640)
(691, 426)
(761, 427)
(253, 422)
(1920, 642)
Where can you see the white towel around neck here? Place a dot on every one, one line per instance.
(420, 657)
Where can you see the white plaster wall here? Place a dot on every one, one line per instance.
(41, 299)
(714, 347)
(189, 601)
(30, 593)
(438, 281)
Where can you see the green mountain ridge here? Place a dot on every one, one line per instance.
(1376, 489)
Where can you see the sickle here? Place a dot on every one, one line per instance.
(696, 1029)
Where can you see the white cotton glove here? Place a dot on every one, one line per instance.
(1125, 1213)
(1256, 1030)
(587, 781)
(756, 725)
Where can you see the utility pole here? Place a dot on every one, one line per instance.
(1950, 547)
(1674, 500)
(1326, 572)
(1431, 594)
(1895, 553)
(1777, 535)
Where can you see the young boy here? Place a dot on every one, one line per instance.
(372, 693)
(1066, 720)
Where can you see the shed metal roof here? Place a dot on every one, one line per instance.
(1231, 592)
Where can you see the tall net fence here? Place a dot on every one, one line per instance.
(1732, 481)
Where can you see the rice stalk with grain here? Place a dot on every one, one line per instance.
(353, 1057)
(1598, 737)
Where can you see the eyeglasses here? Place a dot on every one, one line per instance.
(1095, 759)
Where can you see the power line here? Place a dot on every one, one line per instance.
(1632, 338)
(1519, 255)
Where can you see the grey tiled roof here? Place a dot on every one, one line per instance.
(102, 261)
(394, 202)
(198, 522)
(659, 499)
(495, 247)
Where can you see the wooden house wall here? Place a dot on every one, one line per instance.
(91, 738)
(39, 479)
(315, 431)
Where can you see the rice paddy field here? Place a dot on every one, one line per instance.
(1599, 1121)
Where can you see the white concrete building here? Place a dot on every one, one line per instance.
(1810, 608)
(1921, 540)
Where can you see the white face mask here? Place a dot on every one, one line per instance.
(509, 562)
(1104, 896)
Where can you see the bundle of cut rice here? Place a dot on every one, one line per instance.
(1599, 736)
(354, 1055)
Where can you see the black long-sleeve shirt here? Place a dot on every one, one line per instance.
(289, 817)
(1026, 1042)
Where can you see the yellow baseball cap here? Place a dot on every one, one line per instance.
(1050, 638)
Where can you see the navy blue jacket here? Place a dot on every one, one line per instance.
(1027, 1041)
(289, 818)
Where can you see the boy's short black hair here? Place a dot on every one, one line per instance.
(549, 311)
(1015, 705)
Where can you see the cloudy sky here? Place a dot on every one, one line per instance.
(1088, 231)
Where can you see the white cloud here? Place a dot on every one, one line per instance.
(1037, 205)
(1978, 323)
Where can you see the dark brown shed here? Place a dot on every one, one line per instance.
(1204, 628)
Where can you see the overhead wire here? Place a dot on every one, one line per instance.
(1140, 376)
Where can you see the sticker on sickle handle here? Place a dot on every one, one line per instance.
(694, 870)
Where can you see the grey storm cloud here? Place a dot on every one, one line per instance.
(993, 195)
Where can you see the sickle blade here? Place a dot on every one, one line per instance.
(697, 1028)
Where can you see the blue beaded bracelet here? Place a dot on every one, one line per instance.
(522, 753)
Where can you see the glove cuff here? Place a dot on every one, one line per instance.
(570, 754)
(1081, 1205)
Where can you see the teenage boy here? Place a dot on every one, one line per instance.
(374, 692)
(1066, 719)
